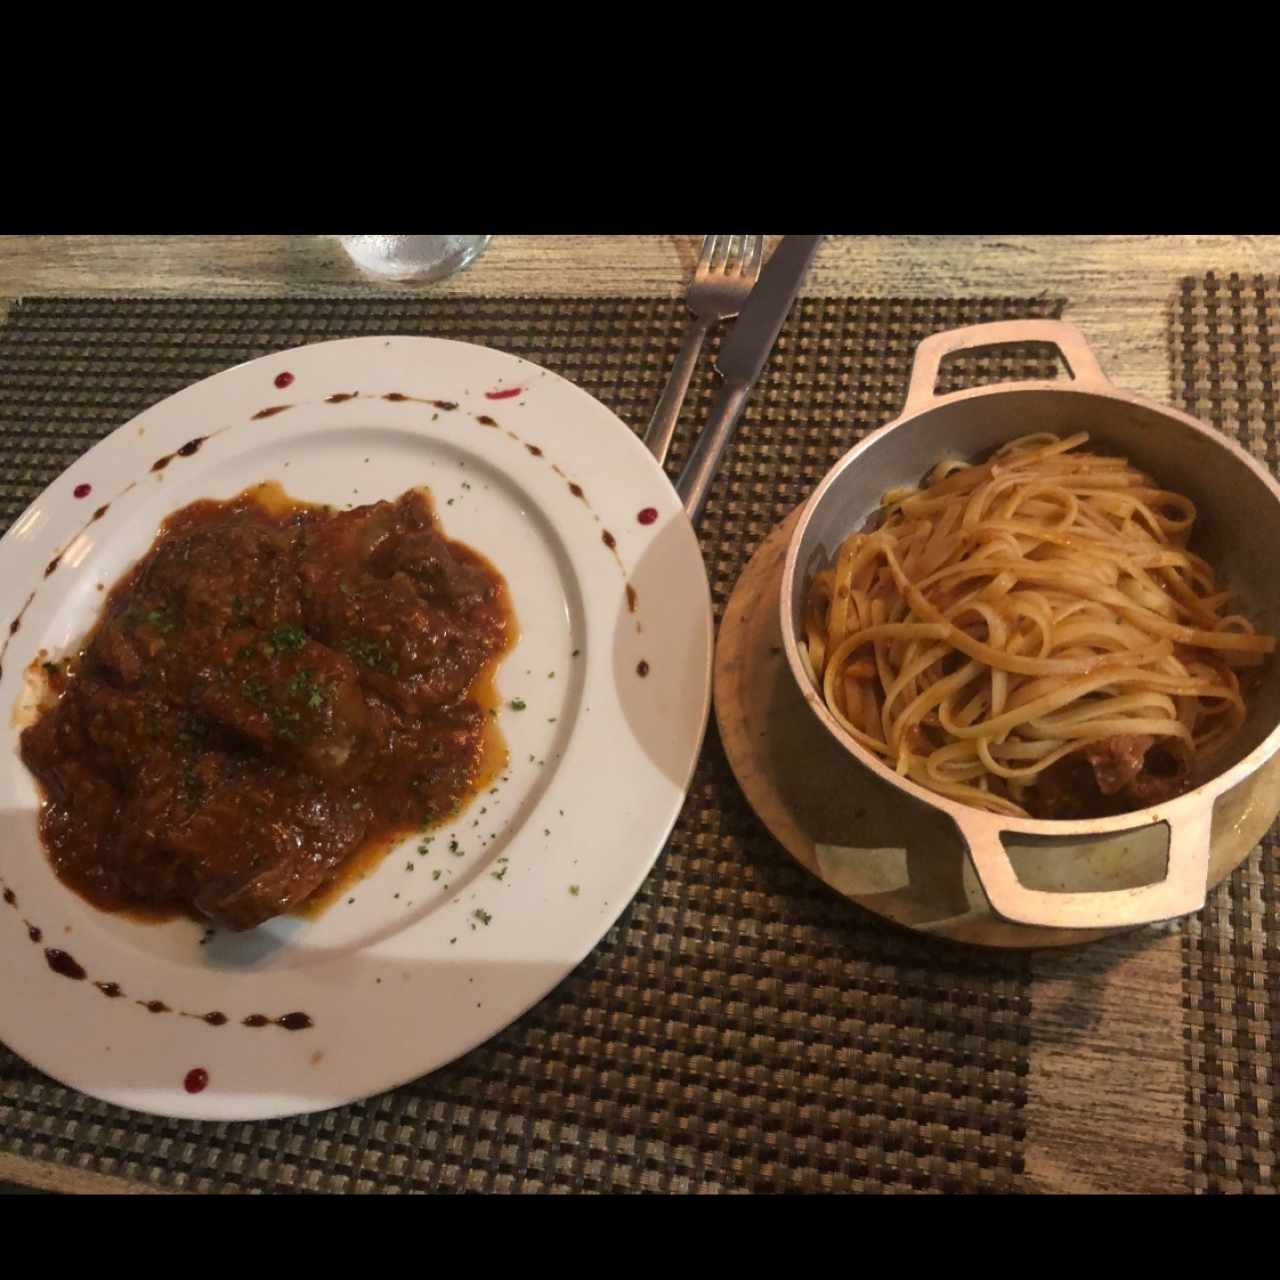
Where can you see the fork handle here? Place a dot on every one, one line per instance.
(704, 458)
(662, 426)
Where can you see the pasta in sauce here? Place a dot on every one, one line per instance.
(1031, 635)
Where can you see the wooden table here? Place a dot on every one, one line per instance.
(1127, 1135)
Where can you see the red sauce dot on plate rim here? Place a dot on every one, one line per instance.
(82, 490)
(283, 379)
(502, 393)
(195, 1080)
(647, 515)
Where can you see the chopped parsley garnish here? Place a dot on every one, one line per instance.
(289, 638)
(574, 889)
(376, 657)
(192, 785)
(497, 875)
(517, 704)
(482, 915)
(284, 720)
(162, 620)
(302, 687)
(255, 690)
(51, 668)
(238, 615)
(435, 875)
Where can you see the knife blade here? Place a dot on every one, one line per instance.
(743, 355)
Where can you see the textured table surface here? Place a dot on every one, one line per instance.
(1120, 288)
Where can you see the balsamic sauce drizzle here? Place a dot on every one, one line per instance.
(65, 965)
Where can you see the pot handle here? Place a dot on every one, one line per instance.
(1081, 362)
(1182, 891)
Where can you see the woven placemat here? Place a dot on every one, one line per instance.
(741, 1028)
(1226, 352)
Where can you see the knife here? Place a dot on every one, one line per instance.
(742, 356)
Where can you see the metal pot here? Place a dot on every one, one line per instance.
(1237, 531)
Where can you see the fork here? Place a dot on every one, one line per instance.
(728, 269)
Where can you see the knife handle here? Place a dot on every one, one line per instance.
(704, 458)
(662, 426)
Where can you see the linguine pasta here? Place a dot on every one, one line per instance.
(1011, 623)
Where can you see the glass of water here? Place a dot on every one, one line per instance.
(413, 257)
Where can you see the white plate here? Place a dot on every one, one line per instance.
(601, 757)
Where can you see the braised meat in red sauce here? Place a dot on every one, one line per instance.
(1111, 776)
(274, 688)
